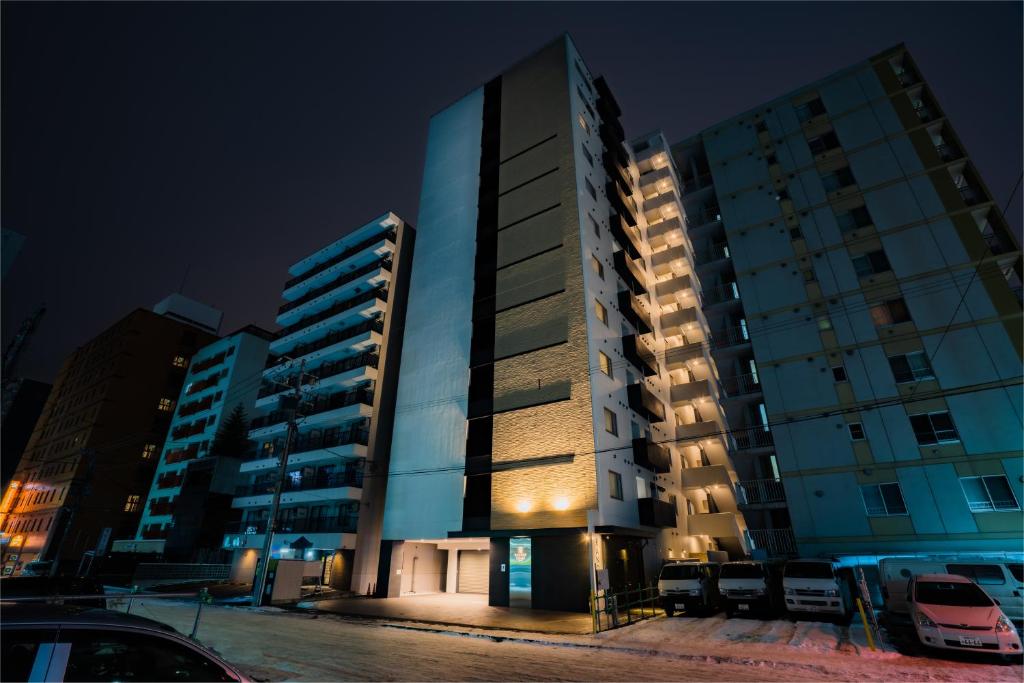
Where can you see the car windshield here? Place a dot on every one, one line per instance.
(951, 593)
(808, 570)
(680, 572)
(742, 571)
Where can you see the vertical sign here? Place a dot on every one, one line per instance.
(520, 574)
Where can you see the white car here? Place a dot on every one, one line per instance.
(815, 586)
(953, 613)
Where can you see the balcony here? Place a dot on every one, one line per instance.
(330, 369)
(727, 292)
(633, 311)
(645, 403)
(697, 430)
(195, 407)
(760, 491)
(615, 171)
(753, 439)
(161, 507)
(152, 533)
(332, 338)
(703, 216)
(652, 456)
(348, 479)
(317, 406)
(182, 454)
(699, 182)
(330, 445)
(676, 357)
(630, 274)
(691, 391)
(191, 429)
(706, 477)
(674, 322)
(971, 195)
(730, 337)
(623, 205)
(637, 353)
(211, 362)
(205, 383)
(740, 385)
(343, 305)
(611, 133)
(344, 278)
(777, 542)
(656, 513)
(170, 480)
(712, 254)
(605, 100)
(389, 236)
(947, 151)
(659, 233)
(667, 290)
(624, 235)
(668, 260)
(714, 524)
(345, 524)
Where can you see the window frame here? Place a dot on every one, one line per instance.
(913, 372)
(991, 505)
(604, 363)
(601, 312)
(885, 503)
(615, 489)
(611, 420)
(935, 431)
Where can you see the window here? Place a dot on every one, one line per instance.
(824, 323)
(166, 405)
(808, 110)
(854, 218)
(989, 494)
(981, 574)
(605, 362)
(125, 656)
(148, 451)
(890, 312)
(587, 155)
(823, 143)
(911, 367)
(838, 179)
(615, 484)
(601, 311)
(593, 223)
(882, 500)
(932, 428)
(611, 422)
(597, 266)
(583, 122)
(591, 190)
(871, 263)
(839, 373)
(131, 504)
(180, 362)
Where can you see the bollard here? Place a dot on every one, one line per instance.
(867, 629)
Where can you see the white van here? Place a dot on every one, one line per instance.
(748, 586)
(1002, 580)
(689, 586)
(816, 586)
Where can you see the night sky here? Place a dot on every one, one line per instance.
(234, 139)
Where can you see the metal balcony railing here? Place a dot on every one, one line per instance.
(698, 183)
(195, 407)
(760, 491)
(343, 305)
(714, 252)
(730, 336)
(188, 430)
(389, 235)
(749, 439)
(342, 279)
(320, 404)
(213, 361)
(971, 195)
(740, 385)
(313, 441)
(373, 325)
(345, 524)
(777, 542)
(170, 480)
(205, 383)
(947, 151)
(695, 219)
(656, 513)
(182, 454)
(164, 507)
(368, 359)
(352, 478)
(720, 294)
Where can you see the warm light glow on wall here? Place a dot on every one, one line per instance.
(523, 506)
(561, 503)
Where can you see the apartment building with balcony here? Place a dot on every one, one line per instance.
(860, 291)
(85, 472)
(340, 341)
(189, 501)
(536, 414)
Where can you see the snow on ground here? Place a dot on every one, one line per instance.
(272, 644)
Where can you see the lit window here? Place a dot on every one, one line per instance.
(883, 500)
(824, 323)
(615, 484)
(583, 122)
(856, 431)
(611, 422)
(890, 312)
(605, 363)
(131, 504)
(601, 311)
(148, 451)
(911, 367)
(933, 428)
(839, 373)
(989, 494)
(597, 266)
(166, 405)
(180, 362)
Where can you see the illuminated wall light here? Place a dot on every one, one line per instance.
(561, 503)
(523, 506)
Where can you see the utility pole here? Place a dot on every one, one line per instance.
(259, 585)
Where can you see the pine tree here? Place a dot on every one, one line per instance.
(232, 438)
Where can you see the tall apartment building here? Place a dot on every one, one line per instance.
(189, 501)
(536, 417)
(341, 339)
(861, 293)
(90, 460)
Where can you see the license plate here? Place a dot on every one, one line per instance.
(742, 606)
(970, 642)
(680, 605)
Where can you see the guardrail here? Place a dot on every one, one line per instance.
(611, 610)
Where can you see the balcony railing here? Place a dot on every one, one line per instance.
(374, 325)
(637, 353)
(714, 252)
(740, 385)
(624, 235)
(925, 112)
(777, 542)
(320, 404)
(615, 170)
(657, 513)
(314, 441)
(629, 273)
(191, 429)
(163, 507)
(389, 235)
(350, 478)
(760, 491)
(213, 361)
(749, 439)
(170, 480)
(182, 454)
(368, 359)
(695, 219)
(947, 151)
(720, 294)
(644, 402)
(195, 407)
(698, 183)
(605, 99)
(206, 383)
(971, 195)
(343, 305)
(730, 336)
(345, 524)
(334, 284)
(654, 457)
(152, 534)
(633, 311)
(625, 206)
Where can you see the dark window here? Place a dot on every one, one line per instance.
(124, 656)
(951, 594)
(19, 648)
(615, 484)
(590, 189)
(839, 373)
(795, 234)
(871, 263)
(890, 312)
(808, 110)
(611, 422)
(932, 428)
(1017, 569)
(911, 367)
(823, 143)
(981, 574)
(586, 155)
(838, 179)
(882, 500)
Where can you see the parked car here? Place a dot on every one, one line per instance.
(1002, 580)
(66, 643)
(689, 586)
(817, 586)
(748, 586)
(953, 613)
(52, 588)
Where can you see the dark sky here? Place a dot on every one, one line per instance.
(237, 138)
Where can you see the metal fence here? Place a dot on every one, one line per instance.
(612, 610)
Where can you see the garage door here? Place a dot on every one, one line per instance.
(473, 570)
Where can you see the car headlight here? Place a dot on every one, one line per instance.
(1003, 624)
(923, 620)
(831, 593)
(789, 591)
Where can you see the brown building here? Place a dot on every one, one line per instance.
(83, 477)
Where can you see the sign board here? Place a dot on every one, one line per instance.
(520, 572)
